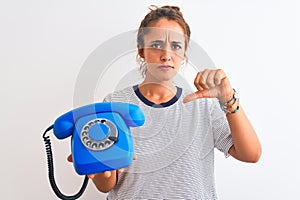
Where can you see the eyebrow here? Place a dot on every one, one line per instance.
(161, 41)
(157, 41)
(175, 42)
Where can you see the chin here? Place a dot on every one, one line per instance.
(161, 76)
(166, 78)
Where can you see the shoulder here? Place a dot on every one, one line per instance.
(119, 94)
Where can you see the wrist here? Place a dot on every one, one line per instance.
(231, 105)
(228, 96)
(233, 108)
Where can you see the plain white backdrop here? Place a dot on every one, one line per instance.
(43, 45)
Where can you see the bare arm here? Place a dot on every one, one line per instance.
(246, 146)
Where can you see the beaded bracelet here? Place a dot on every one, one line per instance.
(225, 106)
(235, 110)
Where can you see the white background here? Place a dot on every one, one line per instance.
(43, 45)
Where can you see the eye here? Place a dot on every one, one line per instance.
(176, 46)
(156, 46)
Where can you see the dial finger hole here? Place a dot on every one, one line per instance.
(101, 145)
(94, 145)
(97, 121)
(107, 143)
(84, 139)
(84, 133)
(91, 123)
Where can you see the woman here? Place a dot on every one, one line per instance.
(175, 146)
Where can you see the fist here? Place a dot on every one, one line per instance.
(211, 84)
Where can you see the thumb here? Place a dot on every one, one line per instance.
(91, 176)
(196, 95)
(70, 158)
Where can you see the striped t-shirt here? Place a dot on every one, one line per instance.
(175, 148)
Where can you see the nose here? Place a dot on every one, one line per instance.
(165, 56)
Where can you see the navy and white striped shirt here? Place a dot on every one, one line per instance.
(175, 148)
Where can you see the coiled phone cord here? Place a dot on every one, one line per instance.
(51, 171)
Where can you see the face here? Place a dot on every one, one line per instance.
(164, 50)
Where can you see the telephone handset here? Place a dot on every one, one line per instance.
(101, 139)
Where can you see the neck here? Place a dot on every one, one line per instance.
(157, 92)
(158, 86)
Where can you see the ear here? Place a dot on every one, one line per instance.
(141, 51)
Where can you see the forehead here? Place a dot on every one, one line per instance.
(167, 24)
(163, 29)
(153, 33)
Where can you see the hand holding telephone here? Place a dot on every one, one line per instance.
(101, 139)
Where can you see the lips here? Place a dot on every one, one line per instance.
(166, 67)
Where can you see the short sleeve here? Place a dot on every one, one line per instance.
(221, 130)
(108, 98)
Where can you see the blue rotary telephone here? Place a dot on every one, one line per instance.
(101, 139)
